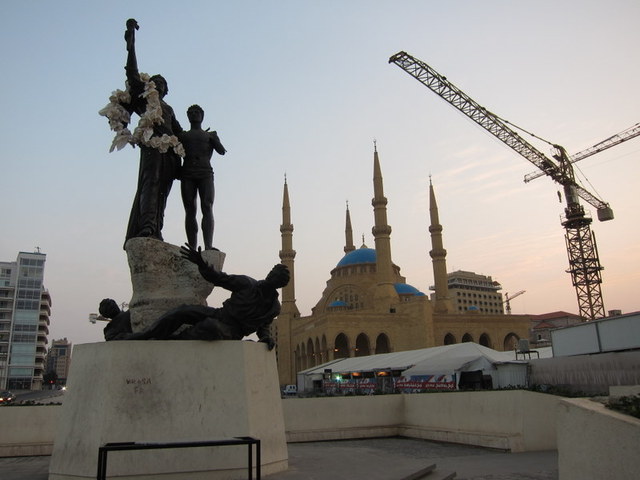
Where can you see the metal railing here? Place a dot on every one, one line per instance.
(124, 446)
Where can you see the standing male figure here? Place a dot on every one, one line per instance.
(157, 169)
(196, 177)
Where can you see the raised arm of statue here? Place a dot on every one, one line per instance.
(132, 62)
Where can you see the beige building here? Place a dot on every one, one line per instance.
(471, 292)
(368, 307)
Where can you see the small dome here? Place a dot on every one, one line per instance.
(362, 255)
(406, 289)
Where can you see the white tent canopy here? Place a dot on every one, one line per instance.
(443, 360)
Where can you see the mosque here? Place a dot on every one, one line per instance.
(368, 307)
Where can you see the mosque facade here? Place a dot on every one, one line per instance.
(367, 306)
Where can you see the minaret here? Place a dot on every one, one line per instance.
(348, 233)
(438, 258)
(289, 310)
(385, 292)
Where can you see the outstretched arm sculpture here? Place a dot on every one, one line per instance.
(159, 161)
(251, 308)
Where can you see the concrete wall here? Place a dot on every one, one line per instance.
(592, 441)
(28, 431)
(595, 442)
(513, 420)
(333, 418)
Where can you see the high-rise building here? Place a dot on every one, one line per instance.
(58, 360)
(25, 307)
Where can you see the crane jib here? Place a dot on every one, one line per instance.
(560, 173)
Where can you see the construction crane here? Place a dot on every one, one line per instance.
(584, 263)
(612, 141)
(507, 300)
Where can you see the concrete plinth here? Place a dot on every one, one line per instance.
(169, 391)
(162, 280)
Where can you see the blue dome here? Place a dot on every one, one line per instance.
(338, 303)
(362, 255)
(406, 289)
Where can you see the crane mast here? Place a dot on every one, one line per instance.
(584, 263)
(507, 300)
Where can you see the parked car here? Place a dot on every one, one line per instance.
(6, 397)
(290, 390)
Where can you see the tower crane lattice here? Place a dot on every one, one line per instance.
(584, 263)
(612, 141)
(507, 300)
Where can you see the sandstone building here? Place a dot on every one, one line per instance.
(368, 307)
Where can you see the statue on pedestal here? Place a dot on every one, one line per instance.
(196, 177)
(169, 293)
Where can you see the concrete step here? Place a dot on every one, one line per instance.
(430, 473)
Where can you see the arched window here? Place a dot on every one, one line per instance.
(485, 341)
(362, 346)
(341, 346)
(511, 341)
(310, 354)
(323, 346)
(318, 353)
(298, 363)
(467, 338)
(303, 357)
(449, 339)
(382, 344)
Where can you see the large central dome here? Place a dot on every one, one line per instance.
(362, 255)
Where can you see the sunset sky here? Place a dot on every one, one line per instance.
(302, 89)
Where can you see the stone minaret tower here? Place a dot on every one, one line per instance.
(385, 291)
(289, 311)
(348, 233)
(438, 254)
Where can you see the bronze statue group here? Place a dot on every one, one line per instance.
(159, 168)
(253, 304)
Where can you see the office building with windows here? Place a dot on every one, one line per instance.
(473, 292)
(25, 308)
(58, 361)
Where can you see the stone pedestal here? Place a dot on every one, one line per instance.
(169, 391)
(162, 280)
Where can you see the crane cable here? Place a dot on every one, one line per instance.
(582, 174)
(523, 130)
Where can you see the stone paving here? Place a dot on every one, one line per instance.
(371, 459)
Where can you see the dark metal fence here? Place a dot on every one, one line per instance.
(123, 446)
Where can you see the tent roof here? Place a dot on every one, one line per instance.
(446, 355)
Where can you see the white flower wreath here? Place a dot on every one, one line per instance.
(119, 119)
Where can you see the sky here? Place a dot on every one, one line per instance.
(302, 89)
